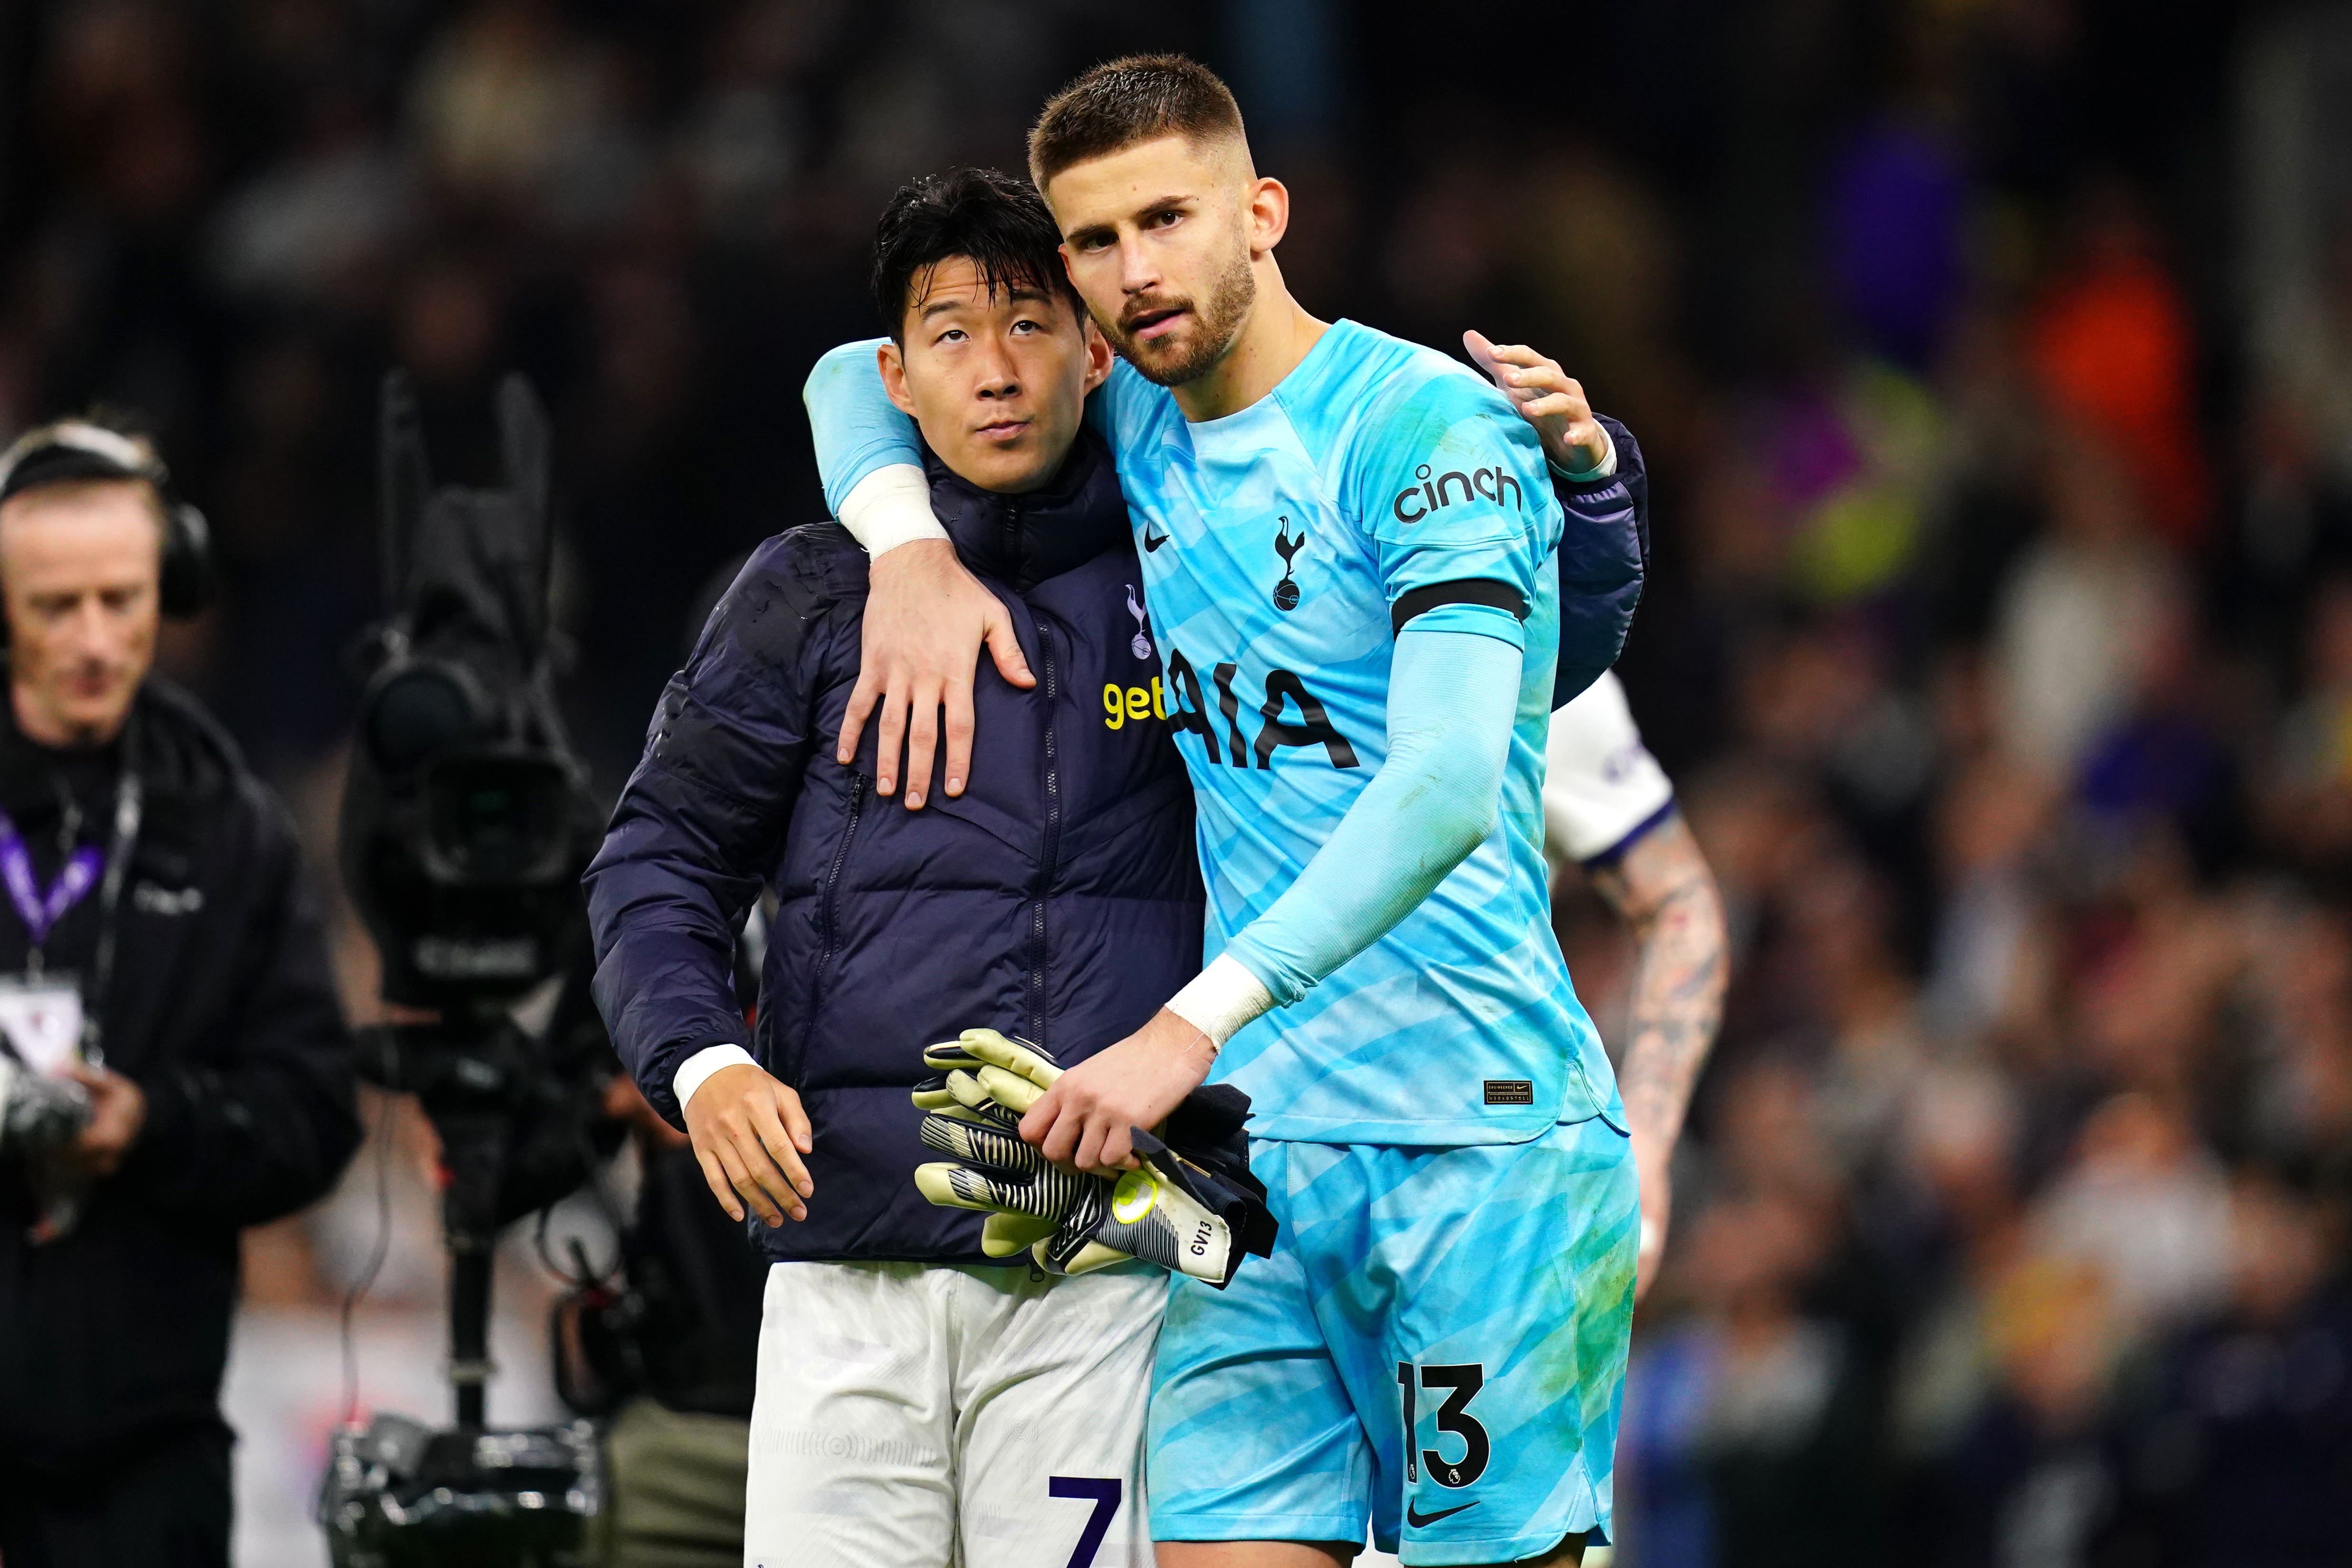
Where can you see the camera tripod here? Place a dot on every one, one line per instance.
(399, 1492)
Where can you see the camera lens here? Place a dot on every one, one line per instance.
(415, 714)
(496, 820)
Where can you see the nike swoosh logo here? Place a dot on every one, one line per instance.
(1420, 1521)
(1151, 544)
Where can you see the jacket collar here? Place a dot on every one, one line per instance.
(179, 749)
(1024, 540)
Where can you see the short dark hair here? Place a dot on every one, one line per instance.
(1122, 102)
(999, 222)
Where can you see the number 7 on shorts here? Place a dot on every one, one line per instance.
(1105, 1493)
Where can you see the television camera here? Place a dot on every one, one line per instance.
(465, 824)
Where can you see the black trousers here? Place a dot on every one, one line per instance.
(166, 1506)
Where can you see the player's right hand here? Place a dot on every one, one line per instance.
(926, 620)
(750, 1135)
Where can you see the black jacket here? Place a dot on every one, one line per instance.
(223, 1009)
(1058, 897)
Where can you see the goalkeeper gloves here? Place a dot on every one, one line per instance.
(993, 1170)
(1192, 1205)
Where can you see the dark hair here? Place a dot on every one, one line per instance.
(1122, 102)
(998, 222)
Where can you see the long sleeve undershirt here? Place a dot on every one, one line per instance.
(1454, 691)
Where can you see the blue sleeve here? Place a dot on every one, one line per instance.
(1454, 696)
(857, 430)
(1604, 552)
(1451, 488)
(697, 826)
(855, 427)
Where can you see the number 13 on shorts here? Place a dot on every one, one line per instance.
(1458, 1384)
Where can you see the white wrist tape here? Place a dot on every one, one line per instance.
(701, 1065)
(889, 507)
(1605, 469)
(1220, 999)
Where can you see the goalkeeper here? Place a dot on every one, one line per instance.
(919, 1401)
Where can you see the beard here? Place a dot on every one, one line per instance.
(1188, 356)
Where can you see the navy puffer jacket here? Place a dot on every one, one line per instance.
(1604, 559)
(1058, 897)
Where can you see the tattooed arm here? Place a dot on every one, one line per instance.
(1660, 886)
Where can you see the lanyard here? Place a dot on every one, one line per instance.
(41, 910)
(130, 805)
(86, 867)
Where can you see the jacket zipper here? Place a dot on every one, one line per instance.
(859, 785)
(1053, 842)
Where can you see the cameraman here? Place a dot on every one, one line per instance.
(154, 889)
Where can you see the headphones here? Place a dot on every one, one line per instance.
(75, 449)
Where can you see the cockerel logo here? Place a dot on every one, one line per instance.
(1285, 592)
(1141, 643)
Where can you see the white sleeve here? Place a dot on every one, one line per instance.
(1603, 788)
(1220, 999)
(889, 507)
(1605, 469)
(695, 1069)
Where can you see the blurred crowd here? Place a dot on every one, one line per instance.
(1994, 361)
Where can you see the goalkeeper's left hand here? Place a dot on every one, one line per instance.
(1170, 1211)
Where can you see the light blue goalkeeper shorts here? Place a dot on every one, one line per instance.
(1476, 1298)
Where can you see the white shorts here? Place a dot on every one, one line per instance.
(921, 1416)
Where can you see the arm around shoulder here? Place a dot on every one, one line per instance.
(856, 429)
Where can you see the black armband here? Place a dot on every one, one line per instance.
(1468, 591)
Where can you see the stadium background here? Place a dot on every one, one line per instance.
(1993, 357)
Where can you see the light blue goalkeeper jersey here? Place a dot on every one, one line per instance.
(1281, 548)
